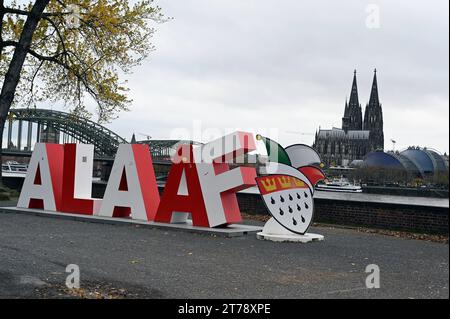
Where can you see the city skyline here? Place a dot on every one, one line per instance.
(290, 67)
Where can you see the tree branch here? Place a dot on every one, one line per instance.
(7, 10)
(32, 52)
(32, 80)
(55, 27)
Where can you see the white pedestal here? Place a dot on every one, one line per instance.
(306, 238)
(273, 231)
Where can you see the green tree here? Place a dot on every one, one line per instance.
(72, 51)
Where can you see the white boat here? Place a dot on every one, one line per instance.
(339, 185)
(14, 169)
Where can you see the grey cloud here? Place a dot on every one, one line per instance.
(289, 64)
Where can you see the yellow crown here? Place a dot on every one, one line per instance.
(298, 183)
(285, 181)
(269, 184)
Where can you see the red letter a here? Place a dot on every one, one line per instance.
(182, 193)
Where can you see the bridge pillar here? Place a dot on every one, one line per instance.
(10, 124)
(38, 134)
(19, 135)
(29, 135)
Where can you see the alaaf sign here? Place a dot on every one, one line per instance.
(200, 182)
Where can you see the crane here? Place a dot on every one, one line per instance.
(147, 136)
(393, 145)
(299, 133)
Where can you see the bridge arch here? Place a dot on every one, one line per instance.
(79, 129)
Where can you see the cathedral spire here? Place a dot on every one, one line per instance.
(133, 139)
(373, 117)
(346, 108)
(352, 119)
(374, 100)
(354, 99)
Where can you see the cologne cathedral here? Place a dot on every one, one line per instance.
(358, 136)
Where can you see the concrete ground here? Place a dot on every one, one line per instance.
(118, 261)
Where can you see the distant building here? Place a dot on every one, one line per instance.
(415, 161)
(358, 136)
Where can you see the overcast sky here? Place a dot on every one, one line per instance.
(285, 67)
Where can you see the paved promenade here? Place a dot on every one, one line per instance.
(153, 263)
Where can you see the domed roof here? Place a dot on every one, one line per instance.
(438, 160)
(428, 161)
(380, 159)
(421, 159)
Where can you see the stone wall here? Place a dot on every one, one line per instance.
(412, 218)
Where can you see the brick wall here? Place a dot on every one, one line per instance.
(372, 215)
(384, 216)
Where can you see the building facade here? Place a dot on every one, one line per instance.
(359, 135)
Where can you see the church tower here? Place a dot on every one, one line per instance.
(373, 117)
(352, 120)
